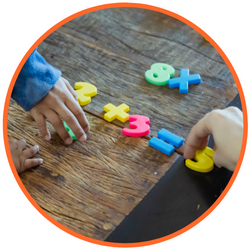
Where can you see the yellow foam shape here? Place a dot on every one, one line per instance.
(84, 92)
(204, 158)
(114, 112)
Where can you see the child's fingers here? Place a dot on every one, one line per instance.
(21, 144)
(71, 90)
(58, 126)
(12, 141)
(76, 109)
(41, 124)
(218, 161)
(190, 150)
(197, 138)
(204, 142)
(30, 152)
(72, 122)
(29, 163)
(221, 160)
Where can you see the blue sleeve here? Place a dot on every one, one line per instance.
(35, 80)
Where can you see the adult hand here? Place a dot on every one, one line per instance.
(61, 101)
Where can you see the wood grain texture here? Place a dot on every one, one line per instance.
(113, 48)
(89, 187)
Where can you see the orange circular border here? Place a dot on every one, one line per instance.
(141, 6)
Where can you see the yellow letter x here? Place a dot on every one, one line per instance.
(114, 112)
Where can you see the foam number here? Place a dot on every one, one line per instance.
(84, 92)
(159, 74)
(140, 125)
(204, 160)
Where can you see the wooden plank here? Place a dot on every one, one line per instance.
(105, 49)
(89, 187)
(124, 23)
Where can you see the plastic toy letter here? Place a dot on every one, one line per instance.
(69, 131)
(114, 112)
(183, 81)
(159, 74)
(84, 92)
(204, 158)
(140, 124)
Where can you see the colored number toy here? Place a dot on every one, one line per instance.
(114, 112)
(159, 74)
(204, 160)
(164, 147)
(69, 130)
(183, 81)
(140, 124)
(84, 92)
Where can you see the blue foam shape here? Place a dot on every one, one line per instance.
(169, 137)
(183, 81)
(161, 146)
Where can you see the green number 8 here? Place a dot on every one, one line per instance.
(159, 74)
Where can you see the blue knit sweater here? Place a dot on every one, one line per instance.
(35, 80)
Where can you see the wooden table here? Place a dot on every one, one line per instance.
(91, 187)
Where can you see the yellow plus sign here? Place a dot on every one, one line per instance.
(114, 112)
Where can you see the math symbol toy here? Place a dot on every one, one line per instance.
(204, 161)
(72, 135)
(159, 74)
(140, 125)
(183, 81)
(114, 112)
(84, 92)
(161, 145)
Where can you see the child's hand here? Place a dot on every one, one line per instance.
(61, 101)
(21, 156)
(226, 126)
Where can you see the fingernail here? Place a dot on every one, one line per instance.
(40, 161)
(68, 140)
(47, 137)
(83, 138)
(87, 129)
(37, 148)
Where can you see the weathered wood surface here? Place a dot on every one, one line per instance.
(113, 48)
(89, 187)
